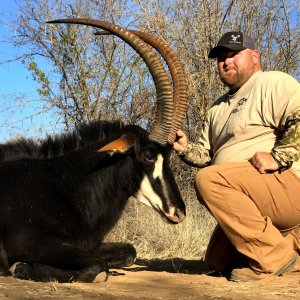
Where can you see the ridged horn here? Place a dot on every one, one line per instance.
(180, 95)
(163, 119)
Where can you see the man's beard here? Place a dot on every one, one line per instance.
(231, 80)
(234, 80)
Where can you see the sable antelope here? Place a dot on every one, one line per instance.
(61, 196)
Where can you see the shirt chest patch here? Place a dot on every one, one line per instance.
(237, 118)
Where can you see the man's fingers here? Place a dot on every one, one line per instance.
(179, 133)
(263, 162)
(262, 170)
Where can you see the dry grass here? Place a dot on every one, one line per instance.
(153, 238)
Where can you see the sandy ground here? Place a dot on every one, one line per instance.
(172, 279)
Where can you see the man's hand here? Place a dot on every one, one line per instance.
(264, 162)
(181, 141)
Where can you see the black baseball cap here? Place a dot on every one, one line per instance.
(233, 40)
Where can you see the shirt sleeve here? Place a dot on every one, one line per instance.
(199, 154)
(286, 112)
(287, 149)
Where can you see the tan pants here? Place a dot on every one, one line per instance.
(258, 215)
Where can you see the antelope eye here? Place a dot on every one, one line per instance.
(150, 157)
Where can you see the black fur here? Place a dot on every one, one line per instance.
(58, 198)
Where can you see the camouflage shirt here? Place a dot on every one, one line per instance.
(287, 149)
(262, 116)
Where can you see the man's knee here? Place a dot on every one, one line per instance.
(205, 178)
(222, 175)
(200, 184)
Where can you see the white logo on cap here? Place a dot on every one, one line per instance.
(235, 37)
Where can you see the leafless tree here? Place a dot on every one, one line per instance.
(85, 77)
(195, 26)
(81, 76)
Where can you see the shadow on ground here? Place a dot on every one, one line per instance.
(174, 265)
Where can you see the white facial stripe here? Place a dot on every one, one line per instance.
(172, 211)
(147, 195)
(158, 167)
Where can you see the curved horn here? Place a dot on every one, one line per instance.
(163, 120)
(180, 95)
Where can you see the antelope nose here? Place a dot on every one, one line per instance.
(178, 216)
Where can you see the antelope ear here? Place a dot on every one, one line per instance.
(120, 145)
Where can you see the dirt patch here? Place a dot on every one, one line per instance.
(157, 279)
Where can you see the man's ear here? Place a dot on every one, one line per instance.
(256, 57)
(120, 145)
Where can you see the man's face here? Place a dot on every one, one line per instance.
(236, 67)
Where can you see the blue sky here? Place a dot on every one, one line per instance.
(14, 77)
(15, 80)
